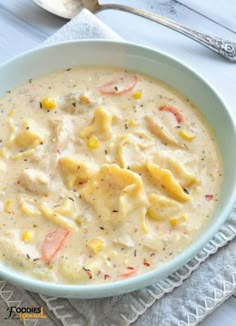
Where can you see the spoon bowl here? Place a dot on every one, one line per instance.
(68, 9)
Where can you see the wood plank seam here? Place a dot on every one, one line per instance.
(208, 18)
(22, 24)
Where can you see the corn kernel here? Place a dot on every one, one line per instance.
(151, 214)
(92, 142)
(83, 99)
(95, 245)
(6, 207)
(186, 135)
(131, 123)
(10, 113)
(48, 103)
(80, 219)
(27, 236)
(183, 218)
(137, 94)
(173, 221)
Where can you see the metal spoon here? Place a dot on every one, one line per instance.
(69, 8)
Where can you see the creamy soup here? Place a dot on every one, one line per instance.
(105, 174)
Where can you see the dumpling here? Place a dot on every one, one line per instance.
(162, 207)
(29, 136)
(100, 126)
(114, 192)
(184, 175)
(133, 149)
(165, 178)
(74, 171)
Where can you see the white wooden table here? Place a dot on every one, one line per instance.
(23, 25)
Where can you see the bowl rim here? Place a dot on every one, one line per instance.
(144, 279)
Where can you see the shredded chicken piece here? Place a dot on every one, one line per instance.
(62, 132)
(35, 181)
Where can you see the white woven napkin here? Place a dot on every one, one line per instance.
(188, 295)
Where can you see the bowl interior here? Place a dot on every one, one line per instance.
(157, 65)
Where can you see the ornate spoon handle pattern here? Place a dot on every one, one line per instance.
(225, 48)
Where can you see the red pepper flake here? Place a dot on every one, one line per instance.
(17, 182)
(89, 275)
(27, 128)
(130, 267)
(145, 263)
(209, 197)
(88, 271)
(106, 276)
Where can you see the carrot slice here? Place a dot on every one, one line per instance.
(53, 243)
(119, 86)
(177, 114)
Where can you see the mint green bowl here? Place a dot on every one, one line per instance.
(157, 65)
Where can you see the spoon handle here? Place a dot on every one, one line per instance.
(225, 48)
